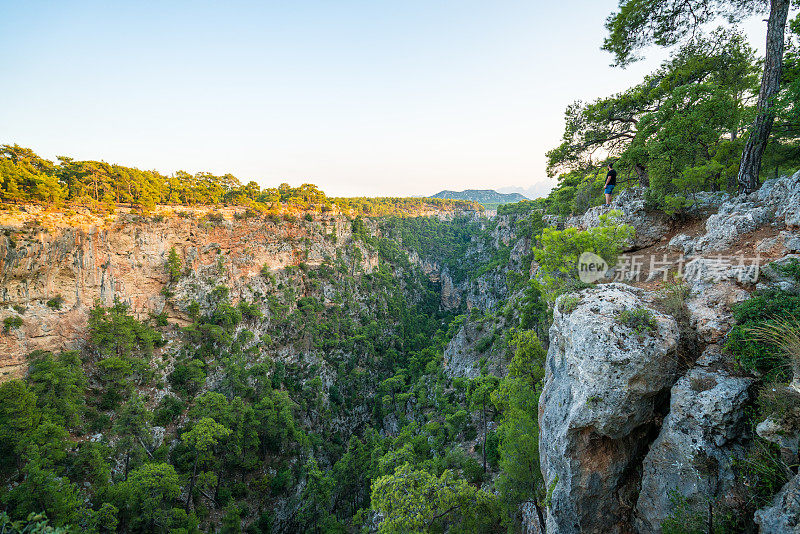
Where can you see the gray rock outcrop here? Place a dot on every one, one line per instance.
(715, 285)
(773, 275)
(604, 385)
(776, 202)
(783, 515)
(699, 442)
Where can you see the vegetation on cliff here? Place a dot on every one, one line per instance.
(27, 177)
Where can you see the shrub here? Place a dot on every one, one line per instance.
(485, 343)
(473, 470)
(784, 334)
(757, 354)
(674, 295)
(56, 302)
(764, 472)
(188, 378)
(790, 268)
(640, 320)
(174, 265)
(569, 303)
(11, 323)
(309, 217)
(168, 410)
(560, 250)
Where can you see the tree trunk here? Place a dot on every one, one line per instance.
(484, 435)
(539, 514)
(641, 172)
(770, 85)
(191, 483)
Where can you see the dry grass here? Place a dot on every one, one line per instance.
(784, 334)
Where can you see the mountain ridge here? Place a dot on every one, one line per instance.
(481, 195)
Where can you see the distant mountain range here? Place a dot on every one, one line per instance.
(483, 196)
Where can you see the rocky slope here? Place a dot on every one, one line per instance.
(124, 258)
(634, 423)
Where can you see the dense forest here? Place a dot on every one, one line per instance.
(250, 431)
(26, 177)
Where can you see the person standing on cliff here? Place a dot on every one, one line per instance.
(611, 181)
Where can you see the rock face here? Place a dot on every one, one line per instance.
(650, 226)
(125, 258)
(773, 276)
(716, 285)
(777, 202)
(700, 440)
(472, 344)
(604, 386)
(783, 516)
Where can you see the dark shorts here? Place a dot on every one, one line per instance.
(609, 189)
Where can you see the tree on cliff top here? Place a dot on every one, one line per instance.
(668, 22)
(676, 118)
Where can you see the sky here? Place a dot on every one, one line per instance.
(362, 98)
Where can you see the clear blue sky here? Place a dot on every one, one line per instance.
(360, 97)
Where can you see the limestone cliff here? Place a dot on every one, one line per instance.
(634, 423)
(71, 265)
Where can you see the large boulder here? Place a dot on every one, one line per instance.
(783, 515)
(775, 275)
(782, 195)
(735, 217)
(715, 285)
(700, 440)
(604, 387)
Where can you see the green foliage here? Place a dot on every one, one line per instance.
(757, 354)
(147, 499)
(19, 416)
(664, 22)
(174, 265)
(673, 296)
(560, 250)
(114, 332)
(678, 131)
(168, 410)
(43, 489)
(188, 377)
(56, 302)
(11, 323)
(415, 500)
(693, 517)
(764, 472)
(265, 431)
(59, 385)
(791, 268)
(25, 177)
(34, 524)
(569, 303)
(640, 320)
(517, 397)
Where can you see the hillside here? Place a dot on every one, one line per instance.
(482, 196)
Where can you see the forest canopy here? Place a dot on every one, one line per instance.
(27, 177)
